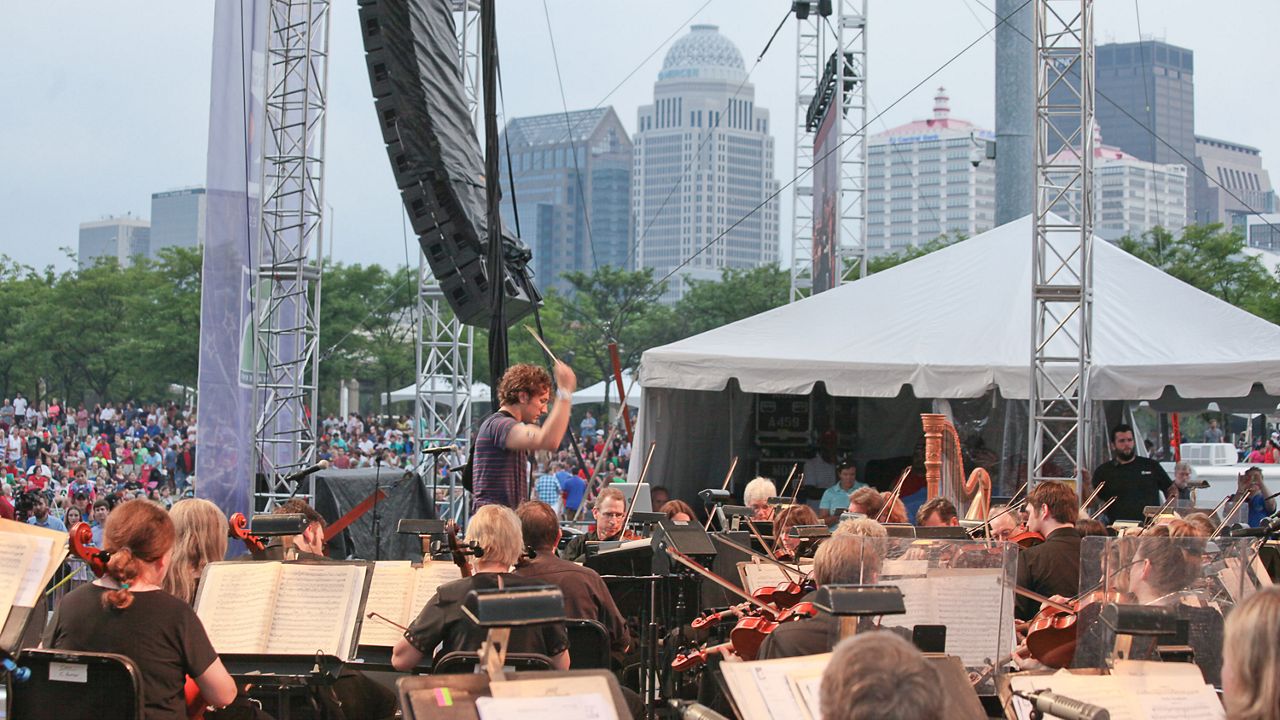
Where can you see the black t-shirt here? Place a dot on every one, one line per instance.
(442, 621)
(158, 632)
(1134, 485)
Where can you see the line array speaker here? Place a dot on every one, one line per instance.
(411, 51)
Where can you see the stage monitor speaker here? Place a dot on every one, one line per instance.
(411, 54)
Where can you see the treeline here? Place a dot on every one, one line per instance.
(117, 333)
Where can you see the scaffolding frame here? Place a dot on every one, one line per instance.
(286, 288)
(809, 59)
(851, 243)
(1062, 269)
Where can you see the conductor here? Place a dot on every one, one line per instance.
(500, 467)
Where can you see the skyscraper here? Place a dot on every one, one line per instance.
(1152, 81)
(121, 238)
(574, 212)
(1243, 186)
(703, 163)
(922, 181)
(177, 219)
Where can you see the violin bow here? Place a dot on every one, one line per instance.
(1092, 496)
(786, 569)
(777, 536)
(1235, 508)
(1012, 507)
(1019, 590)
(1105, 506)
(790, 475)
(1167, 504)
(725, 584)
(379, 616)
(727, 477)
(644, 472)
(887, 510)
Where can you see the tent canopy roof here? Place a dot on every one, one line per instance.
(957, 323)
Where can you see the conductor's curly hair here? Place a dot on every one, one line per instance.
(524, 378)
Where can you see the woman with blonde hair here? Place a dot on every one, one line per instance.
(1251, 658)
(201, 530)
(496, 532)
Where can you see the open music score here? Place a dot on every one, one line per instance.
(775, 689)
(29, 556)
(274, 608)
(398, 592)
(1134, 690)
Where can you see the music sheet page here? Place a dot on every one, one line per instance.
(764, 689)
(1122, 699)
(314, 609)
(427, 578)
(50, 550)
(546, 707)
(234, 603)
(389, 596)
(964, 601)
(17, 554)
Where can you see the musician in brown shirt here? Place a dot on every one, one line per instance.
(585, 594)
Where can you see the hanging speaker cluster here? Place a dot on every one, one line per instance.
(411, 51)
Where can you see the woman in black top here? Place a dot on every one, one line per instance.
(496, 529)
(126, 612)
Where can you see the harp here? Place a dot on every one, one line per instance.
(944, 469)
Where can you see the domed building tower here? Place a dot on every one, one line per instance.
(703, 161)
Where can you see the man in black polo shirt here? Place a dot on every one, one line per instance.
(1135, 482)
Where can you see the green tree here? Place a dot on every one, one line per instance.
(883, 262)
(612, 304)
(738, 294)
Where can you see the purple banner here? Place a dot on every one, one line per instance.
(224, 439)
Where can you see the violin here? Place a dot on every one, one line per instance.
(786, 594)
(1025, 538)
(1052, 633)
(746, 637)
(238, 528)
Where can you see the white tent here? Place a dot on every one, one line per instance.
(595, 394)
(953, 324)
(443, 389)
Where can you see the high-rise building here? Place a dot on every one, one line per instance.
(122, 238)
(703, 164)
(1243, 187)
(177, 219)
(1262, 231)
(1130, 196)
(575, 211)
(924, 181)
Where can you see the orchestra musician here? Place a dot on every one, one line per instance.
(309, 544)
(842, 559)
(495, 529)
(1003, 523)
(1053, 566)
(678, 511)
(938, 512)
(897, 512)
(500, 472)
(756, 496)
(585, 594)
(879, 676)
(866, 501)
(787, 518)
(610, 512)
(200, 530)
(126, 611)
(1251, 658)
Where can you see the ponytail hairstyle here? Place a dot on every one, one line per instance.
(137, 531)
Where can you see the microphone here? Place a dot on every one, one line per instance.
(689, 710)
(1064, 707)
(322, 465)
(439, 450)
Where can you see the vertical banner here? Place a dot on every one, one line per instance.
(224, 438)
(826, 201)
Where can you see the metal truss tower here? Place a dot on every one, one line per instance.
(820, 41)
(1062, 250)
(444, 355)
(809, 59)
(286, 287)
(851, 32)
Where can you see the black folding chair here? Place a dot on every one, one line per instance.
(77, 686)
(588, 645)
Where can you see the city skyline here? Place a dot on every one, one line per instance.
(108, 126)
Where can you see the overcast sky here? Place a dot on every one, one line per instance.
(104, 103)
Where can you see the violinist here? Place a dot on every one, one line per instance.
(1053, 566)
(127, 612)
(585, 594)
(756, 496)
(677, 511)
(1004, 523)
(843, 559)
(495, 529)
(938, 512)
(787, 518)
(866, 501)
(309, 544)
(610, 512)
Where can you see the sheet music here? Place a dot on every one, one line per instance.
(234, 604)
(582, 685)
(1118, 695)
(964, 601)
(50, 550)
(389, 596)
(313, 609)
(16, 557)
(755, 575)
(762, 689)
(904, 568)
(547, 707)
(807, 690)
(427, 578)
